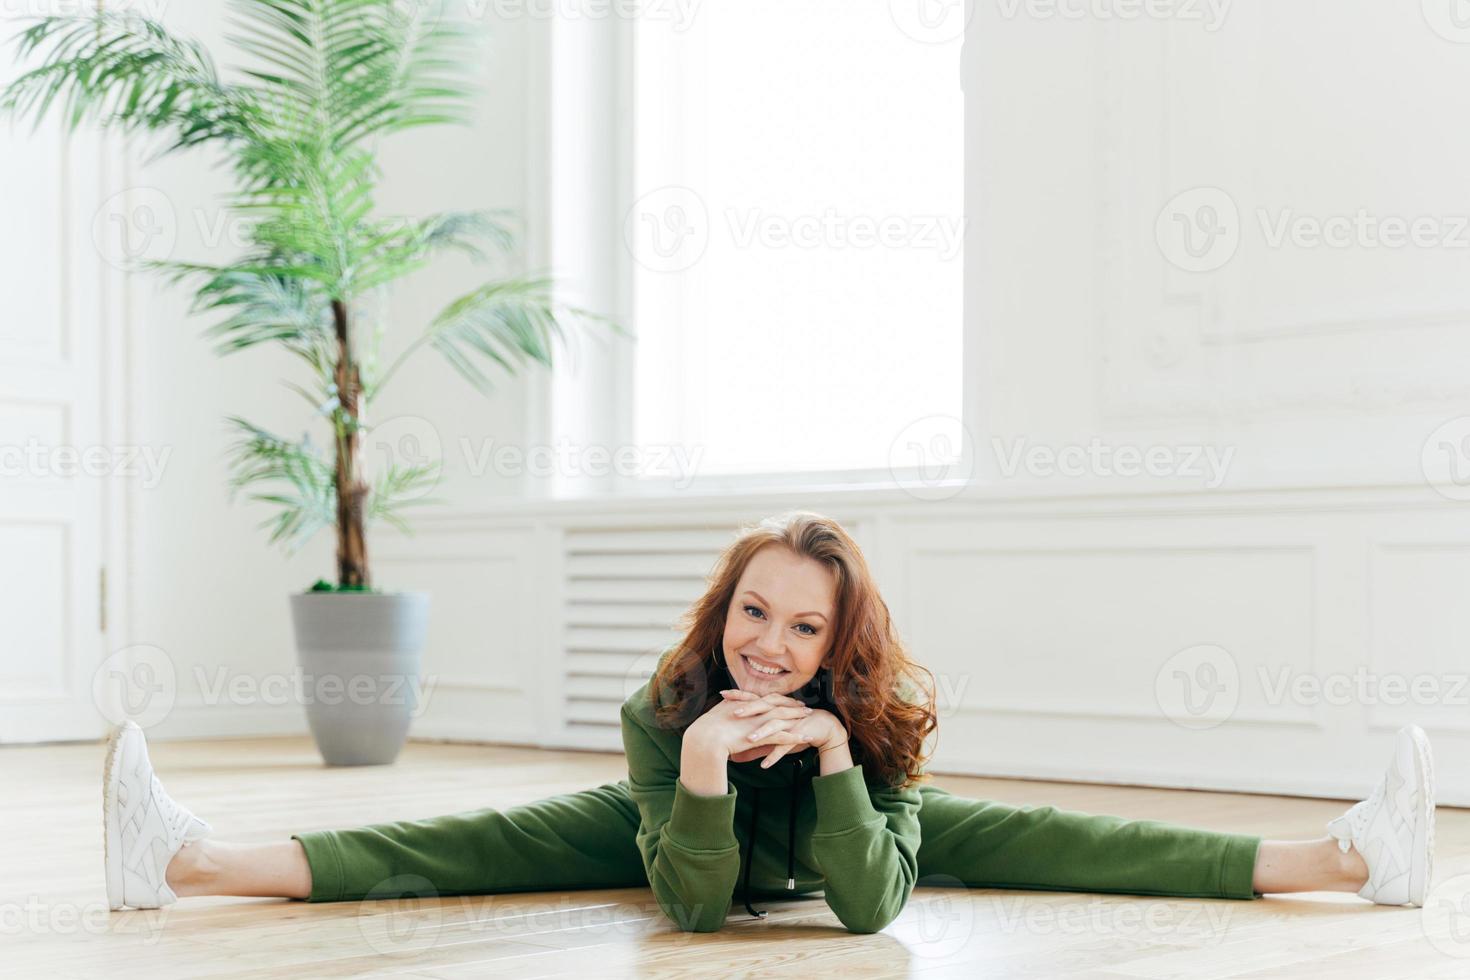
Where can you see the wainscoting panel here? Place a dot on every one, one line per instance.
(1251, 640)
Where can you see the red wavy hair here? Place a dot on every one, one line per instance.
(884, 699)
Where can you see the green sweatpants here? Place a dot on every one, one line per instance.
(586, 840)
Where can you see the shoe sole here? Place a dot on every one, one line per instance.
(111, 830)
(1424, 822)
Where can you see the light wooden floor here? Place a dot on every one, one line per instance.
(54, 921)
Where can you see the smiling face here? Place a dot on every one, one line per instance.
(781, 616)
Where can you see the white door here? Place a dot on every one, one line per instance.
(55, 458)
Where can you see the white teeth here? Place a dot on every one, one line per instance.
(762, 670)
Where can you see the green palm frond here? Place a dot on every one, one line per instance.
(307, 501)
(511, 323)
(341, 71)
(392, 249)
(265, 305)
(400, 487)
(127, 71)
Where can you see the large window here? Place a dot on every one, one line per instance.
(797, 234)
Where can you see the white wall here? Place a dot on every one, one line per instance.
(1317, 365)
(201, 582)
(1068, 614)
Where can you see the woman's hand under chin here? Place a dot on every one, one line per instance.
(818, 729)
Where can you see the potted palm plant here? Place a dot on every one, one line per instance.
(321, 82)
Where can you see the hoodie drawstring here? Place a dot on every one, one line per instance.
(755, 809)
(755, 806)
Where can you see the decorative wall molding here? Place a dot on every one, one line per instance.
(1285, 572)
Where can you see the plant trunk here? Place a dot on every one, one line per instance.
(352, 562)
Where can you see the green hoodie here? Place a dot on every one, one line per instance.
(857, 842)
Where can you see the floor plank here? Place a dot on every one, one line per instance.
(54, 920)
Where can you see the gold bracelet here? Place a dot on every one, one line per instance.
(827, 747)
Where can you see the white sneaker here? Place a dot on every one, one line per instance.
(143, 828)
(1393, 829)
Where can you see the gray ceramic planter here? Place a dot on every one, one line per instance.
(359, 655)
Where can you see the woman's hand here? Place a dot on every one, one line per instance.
(726, 726)
(819, 727)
